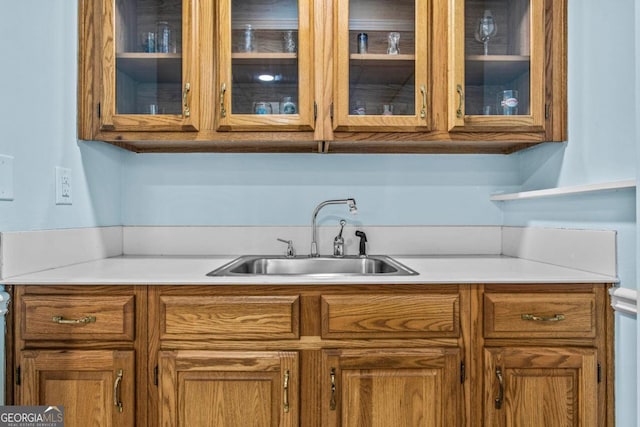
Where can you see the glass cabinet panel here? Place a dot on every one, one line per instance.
(502, 52)
(265, 65)
(147, 48)
(382, 64)
(497, 57)
(148, 57)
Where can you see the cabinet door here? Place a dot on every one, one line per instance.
(381, 65)
(149, 67)
(379, 388)
(95, 387)
(531, 387)
(498, 74)
(228, 388)
(265, 65)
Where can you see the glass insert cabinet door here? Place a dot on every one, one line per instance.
(381, 69)
(498, 79)
(265, 65)
(149, 80)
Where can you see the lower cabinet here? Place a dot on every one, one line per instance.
(350, 355)
(551, 387)
(95, 387)
(392, 387)
(229, 388)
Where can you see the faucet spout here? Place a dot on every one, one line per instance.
(353, 209)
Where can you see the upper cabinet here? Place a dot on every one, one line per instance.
(498, 78)
(409, 76)
(382, 78)
(265, 70)
(149, 73)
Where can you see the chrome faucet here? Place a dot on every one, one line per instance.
(314, 234)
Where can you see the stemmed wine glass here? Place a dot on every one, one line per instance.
(487, 28)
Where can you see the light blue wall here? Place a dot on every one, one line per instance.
(602, 147)
(270, 189)
(37, 114)
(38, 76)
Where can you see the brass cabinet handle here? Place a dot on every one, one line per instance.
(423, 112)
(62, 321)
(185, 104)
(286, 391)
(223, 111)
(117, 402)
(554, 318)
(498, 401)
(332, 402)
(461, 100)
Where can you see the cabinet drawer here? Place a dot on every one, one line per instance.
(534, 315)
(391, 316)
(229, 317)
(66, 317)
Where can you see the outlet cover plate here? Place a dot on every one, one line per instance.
(63, 186)
(6, 177)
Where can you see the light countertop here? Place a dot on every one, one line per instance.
(192, 270)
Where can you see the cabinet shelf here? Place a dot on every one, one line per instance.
(380, 58)
(151, 67)
(263, 55)
(495, 69)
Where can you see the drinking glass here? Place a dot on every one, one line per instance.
(486, 30)
(394, 39)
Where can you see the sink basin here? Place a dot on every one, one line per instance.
(374, 265)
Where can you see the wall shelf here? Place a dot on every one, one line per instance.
(565, 191)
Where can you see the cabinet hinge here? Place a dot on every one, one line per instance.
(155, 375)
(599, 373)
(547, 110)
(331, 112)
(18, 377)
(98, 110)
(463, 374)
(315, 112)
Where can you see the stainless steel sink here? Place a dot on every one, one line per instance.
(374, 265)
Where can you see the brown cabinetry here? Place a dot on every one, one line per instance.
(316, 355)
(323, 75)
(79, 347)
(545, 354)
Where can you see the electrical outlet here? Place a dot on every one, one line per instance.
(6, 177)
(63, 186)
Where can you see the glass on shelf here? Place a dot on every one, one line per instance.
(497, 57)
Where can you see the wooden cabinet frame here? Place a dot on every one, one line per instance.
(323, 124)
(470, 331)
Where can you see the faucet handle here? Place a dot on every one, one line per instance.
(290, 251)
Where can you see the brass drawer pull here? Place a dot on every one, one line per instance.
(423, 111)
(332, 402)
(62, 321)
(223, 111)
(286, 391)
(186, 111)
(555, 318)
(116, 391)
(461, 100)
(498, 400)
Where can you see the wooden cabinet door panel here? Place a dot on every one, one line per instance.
(78, 317)
(87, 383)
(399, 387)
(228, 388)
(532, 387)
